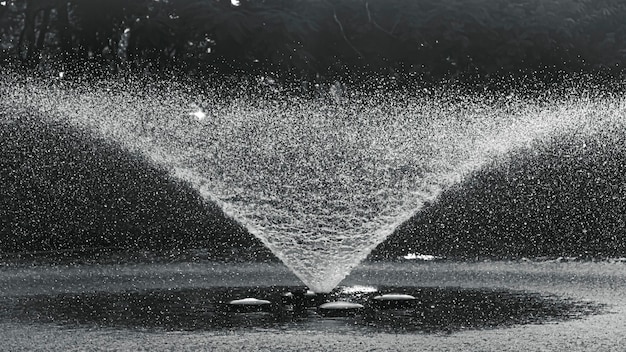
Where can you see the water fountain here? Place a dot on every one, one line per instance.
(321, 183)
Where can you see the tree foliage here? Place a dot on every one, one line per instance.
(427, 38)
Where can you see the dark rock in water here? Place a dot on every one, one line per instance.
(301, 298)
(340, 309)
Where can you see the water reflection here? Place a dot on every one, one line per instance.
(434, 310)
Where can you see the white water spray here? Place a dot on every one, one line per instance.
(320, 183)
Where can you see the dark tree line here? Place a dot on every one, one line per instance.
(395, 38)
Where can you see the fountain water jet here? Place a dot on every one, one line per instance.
(321, 184)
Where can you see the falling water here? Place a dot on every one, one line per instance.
(320, 182)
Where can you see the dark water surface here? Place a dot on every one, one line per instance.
(435, 310)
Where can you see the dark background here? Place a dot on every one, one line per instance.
(319, 39)
(63, 189)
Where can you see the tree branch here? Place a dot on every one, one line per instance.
(3, 10)
(43, 29)
(63, 27)
(372, 21)
(343, 34)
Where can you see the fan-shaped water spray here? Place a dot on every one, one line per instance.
(320, 183)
